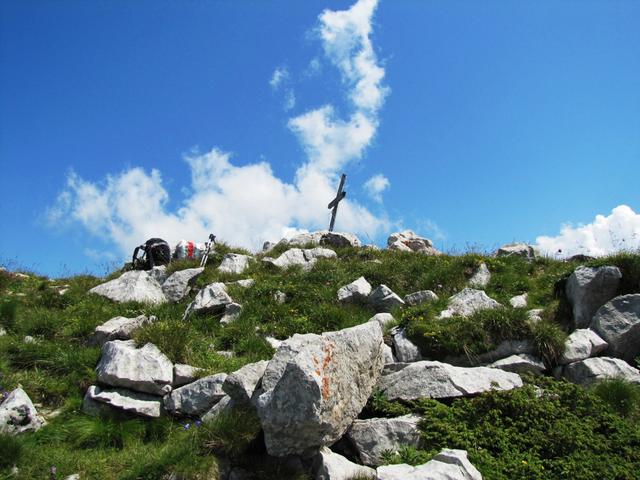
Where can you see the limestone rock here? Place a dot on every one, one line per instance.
(179, 284)
(290, 258)
(516, 250)
(383, 319)
(405, 350)
(159, 274)
(427, 379)
(522, 363)
(339, 240)
(234, 263)
(183, 374)
(383, 299)
(447, 465)
(119, 328)
(418, 298)
(125, 400)
(245, 283)
(241, 384)
(133, 286)
(582, 343)
(535, 315)
(198, 397)
(588, 288)
(313, 254)
(519, 301)
(18, 415)
(224, 405)
(467, 302)
(328, 465)
(505, 349)
(618, 323)
(408, 241)
(306, 238)
(373, 437)
(144, 369)
(211, 299)
(279, 297)
(316, 385)
(273, 342)
(231, 313)
(591, 370)
(387, 355)
(481, 277)
(355, 292)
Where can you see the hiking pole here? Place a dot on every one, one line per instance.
(205, 257)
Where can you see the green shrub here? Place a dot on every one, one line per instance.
(622, 396)
(230, 433)
(548, 340)
(8, 309)
(10, 450)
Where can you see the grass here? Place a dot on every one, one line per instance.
(58, 367)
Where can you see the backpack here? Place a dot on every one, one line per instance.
(156, 252)
(189, 249)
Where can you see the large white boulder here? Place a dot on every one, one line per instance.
(298, 257)
(316, 385)
(355, 292)
(234, 263)
(211, 299)
(591, 370)
(405, 350)
(179, 283)
(198, 397)
(144, 369)
(481, 277)
(124, 400)
(588, 288)
(383, 299)
(618, 323)
(134, 286)
(340, 239)
(383, 319)
(120, 328)
(447, 465)
(241, 385)
(183, 374)
(467, 302)
(427, 379)
(420, 297)
(516, 250)
(582, 343)
(408, 241)
(374, 437)
(328, 465)
(18, 415)
(521, 363)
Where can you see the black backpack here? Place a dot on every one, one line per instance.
(155, 252)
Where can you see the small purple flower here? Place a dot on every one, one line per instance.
(187, 426)
(53, 471)
(198, 423)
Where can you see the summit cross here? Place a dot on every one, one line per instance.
(334, 203)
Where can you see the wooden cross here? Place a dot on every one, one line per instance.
(334, 203)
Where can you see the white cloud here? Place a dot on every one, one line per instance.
(279, 76)
(376, 185)
(314, 68)
(289, 100)
(246, 205)
(347, 43)
(606, 234)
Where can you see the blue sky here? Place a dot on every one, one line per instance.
(472, 123)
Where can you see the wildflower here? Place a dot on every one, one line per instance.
(198, 423)
(54, 471)
(187, 426)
